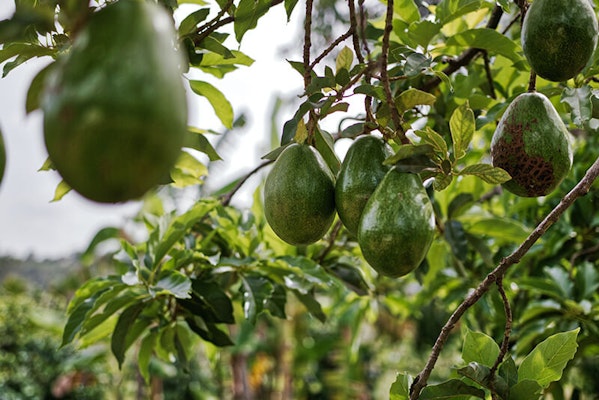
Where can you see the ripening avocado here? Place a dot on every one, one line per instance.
(559, 37)
(532, 144)
(115, 110)
(361, 172)
(397, 225)
(2, 157)
(299, 195)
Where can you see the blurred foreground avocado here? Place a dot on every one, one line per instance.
(115, 111)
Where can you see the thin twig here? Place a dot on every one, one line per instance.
(397, 120)
(211, 26)
(331, 244)
(489, 74)
(353, 20)
(308, 43)
(532, 82)
(467, 56)
(226, 198)
(506, 336)
(579, 190)
(329, 49)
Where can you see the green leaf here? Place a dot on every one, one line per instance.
(579, 100)
(209, 332)
(76, 318)
(61, 190)
(311, 304)
(462, 128)
(289, 6)
(247, 14)
(479, 348)
(172, 283)
(442, 181)
(452, 389)
(486, 172)
(432, 138)
(32, 101)
(400, 389)
(122, 329)
(179, 227)
(146, 350)
(196, 139)
(412, 97)
(489, 40)
(214, 45)
(326, 147)
(408, 150)
(189, 23)
(406, 10)
(344, 59)
(526, 390)
(215, 299)
(220, 104)
(24, 50)
(546, 362)
(188, 171)
(256, 291)
(499, 228)
(448, 10)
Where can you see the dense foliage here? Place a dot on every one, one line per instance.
(212, 289)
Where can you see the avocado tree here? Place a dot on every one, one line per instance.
(467, 225)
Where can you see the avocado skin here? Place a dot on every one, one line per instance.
(559, 37)
(531, 143)
(397, 225)
(115, 109)
(299, 195)
(2, 157)
(361, 172)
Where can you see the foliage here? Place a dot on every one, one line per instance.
(214, 280)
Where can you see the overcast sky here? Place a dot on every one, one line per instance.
(31, 224)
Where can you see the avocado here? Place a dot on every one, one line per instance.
(115, 109)
(361, 172)
(299, 195)
(2, 157)
(532, 144)
(397, 225)
(559, 37)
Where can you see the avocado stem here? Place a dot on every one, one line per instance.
(532, 82)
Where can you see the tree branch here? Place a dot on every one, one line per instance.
(581, 189)
(467, 56)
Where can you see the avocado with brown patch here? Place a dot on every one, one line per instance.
(531, 143)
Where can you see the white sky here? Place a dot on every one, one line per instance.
(30, 224)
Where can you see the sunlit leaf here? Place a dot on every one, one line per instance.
(480, 348)
(220, 104)
(453, 389)
(487, 172)
(462, 128)
(546, 362)
(400, 389)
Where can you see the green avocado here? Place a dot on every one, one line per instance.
(532, 144)
(299, 195)
(2, 157)
(559, 37)
(361, 172)
(115, 109)
(397, 225)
